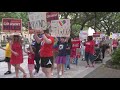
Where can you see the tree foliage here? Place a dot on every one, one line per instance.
(101, 21)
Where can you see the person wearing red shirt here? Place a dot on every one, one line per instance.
(31, 55)
(46, 51)
(89, 51)
(115, 44)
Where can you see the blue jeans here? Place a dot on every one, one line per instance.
(67, 64)
(90, 57)
(75, 61)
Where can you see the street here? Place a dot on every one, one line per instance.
(79, 71)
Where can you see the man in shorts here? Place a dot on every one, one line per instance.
(46, 51)
(7, 55)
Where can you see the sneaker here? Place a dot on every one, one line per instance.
(8, 72)
(60, 73)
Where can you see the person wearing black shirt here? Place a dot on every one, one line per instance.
(37, 56)
(68, 51)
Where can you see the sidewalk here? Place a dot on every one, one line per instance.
(104, 72)
(75, 72)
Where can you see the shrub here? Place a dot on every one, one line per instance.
(116, 57)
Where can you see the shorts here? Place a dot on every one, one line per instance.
(7, 59)
(61, 60)
(31, 67)
(46, 62)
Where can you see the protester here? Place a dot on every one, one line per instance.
(31, 55)
(61, 58)
(115, 44)
(68, 51)
(7, 55)
(89, 51)
(77, 55)
(55, 53)
(103, 48)
(46, 51)
(37, 55)
(17, 54)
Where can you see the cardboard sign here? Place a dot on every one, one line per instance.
(60, 28)
(115, 36)
(31, 31)
(83, 35)
(11, 25)
(75, 48)
(38, 20)
(51, 16)
(96, 34)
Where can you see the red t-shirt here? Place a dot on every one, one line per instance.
(47, 49)
(31, 57)
(89, 46)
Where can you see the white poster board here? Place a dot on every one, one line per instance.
(90, 31)
(38, 20)
(102, 35)
(60, 28)
(115, 35)
(83, 35)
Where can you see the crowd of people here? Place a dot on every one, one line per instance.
(46, 51)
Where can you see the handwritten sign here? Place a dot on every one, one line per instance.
(38, 20)
(60, 28)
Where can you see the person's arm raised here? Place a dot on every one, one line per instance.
(36, 37)
(48, 41)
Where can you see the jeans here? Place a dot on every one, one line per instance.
(88, 57)
(67, 64)
(75, 61)
(37, 66)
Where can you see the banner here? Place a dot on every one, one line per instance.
(75, 51)
(38, 20)
(83, 35)
(11, 25)
(60, 28)
(96, 34)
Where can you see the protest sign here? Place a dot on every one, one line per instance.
(60, 28)
(51, 16)
(75, 51)
(115, 35)
(83, 35)
(102, 35)
(38, 20)
(96, 34)
(11, 25)
(31, 31)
